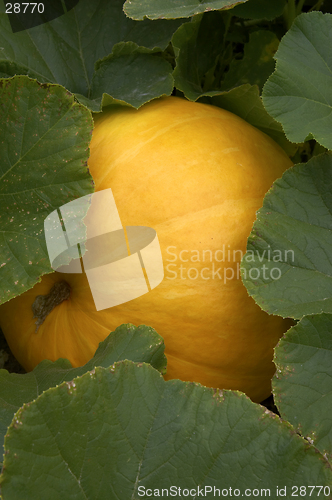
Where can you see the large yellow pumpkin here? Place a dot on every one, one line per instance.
(197, 175)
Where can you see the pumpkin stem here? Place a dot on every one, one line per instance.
(44, 304)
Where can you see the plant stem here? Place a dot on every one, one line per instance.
(317, 6)
(251, 22)
(299, 7)
(227, 25)
(289, 13)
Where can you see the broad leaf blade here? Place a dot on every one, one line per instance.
(131, 75)
(288, 267)
(260, 9)
(66, 49)
(194, 64)
(302, 385)
(44, 144)
(139, 344)
(173, 9)
(148, 433)
(197, 46)
(299, 93)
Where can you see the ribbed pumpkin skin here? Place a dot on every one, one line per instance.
(197, 175)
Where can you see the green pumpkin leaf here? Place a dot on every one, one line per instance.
(44, 144)
(194, 65)
(302, 385)
(193, 57)
(287, 268)
(123, 431)
(65, 50)
(173, 9)
(140, 344)
(299, 93)
(260, 9)
(131, 75)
